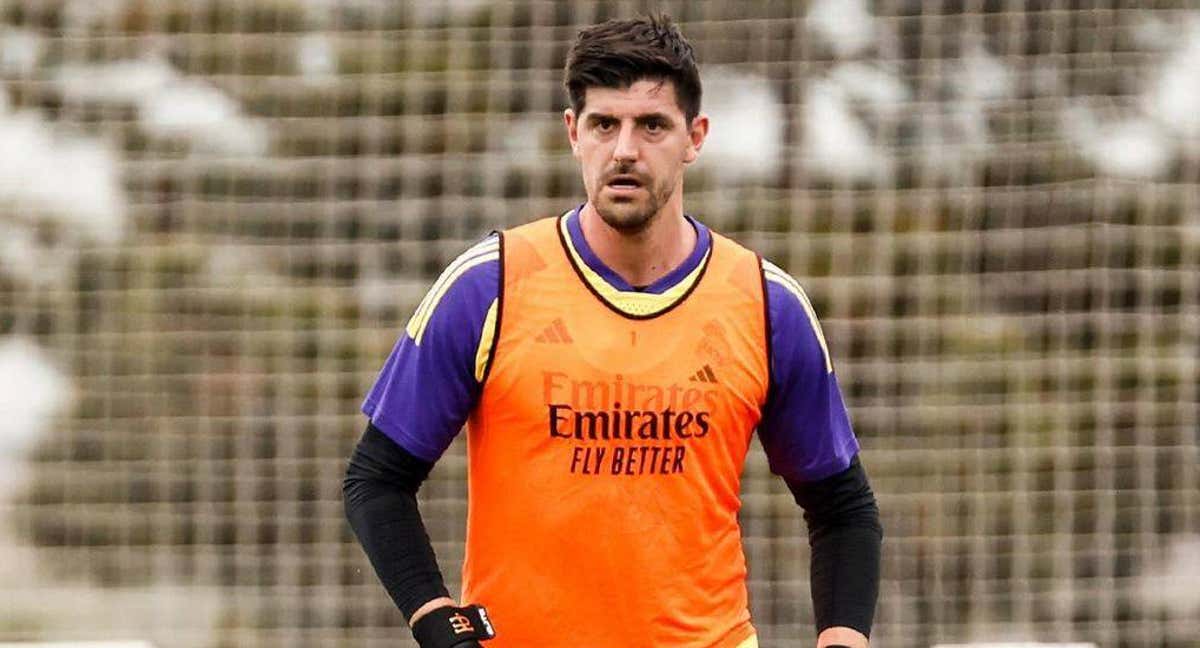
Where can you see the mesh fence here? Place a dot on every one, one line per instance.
(217, 217)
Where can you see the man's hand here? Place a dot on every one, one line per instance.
(441, 624)
(842, 636)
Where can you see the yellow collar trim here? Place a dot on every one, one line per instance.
(637, 304)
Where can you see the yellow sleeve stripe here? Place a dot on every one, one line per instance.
(486, 338)
(773, 273)
(484, 252)
(632, 303)
(425, 308)
(750, 642)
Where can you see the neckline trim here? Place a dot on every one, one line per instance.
(659, 286)
(631, 303)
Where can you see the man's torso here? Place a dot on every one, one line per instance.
(606, 453)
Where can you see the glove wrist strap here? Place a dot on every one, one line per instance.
(449, 626)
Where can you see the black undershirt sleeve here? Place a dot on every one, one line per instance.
(380, 495)
(381, 482)
(846, 538)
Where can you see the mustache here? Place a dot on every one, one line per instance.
(640, 177)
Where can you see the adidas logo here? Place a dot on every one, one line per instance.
(705, 375)
(555, 333)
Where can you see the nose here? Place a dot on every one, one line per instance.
(626, 149)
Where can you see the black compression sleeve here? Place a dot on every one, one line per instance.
(379, 492)
(846, 539)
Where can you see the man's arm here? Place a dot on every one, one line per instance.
(809, 441)
(845, 536)
(379, 492)
(419, 402)
(380, 495)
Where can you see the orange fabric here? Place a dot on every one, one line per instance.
(605, 457)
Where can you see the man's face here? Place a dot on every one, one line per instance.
(632, 145)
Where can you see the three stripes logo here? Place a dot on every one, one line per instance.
(556, 333)
(705, 375)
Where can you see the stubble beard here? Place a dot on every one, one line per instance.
(633, 215)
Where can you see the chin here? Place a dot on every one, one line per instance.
(626, 217)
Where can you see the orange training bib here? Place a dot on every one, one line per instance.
(606, 452)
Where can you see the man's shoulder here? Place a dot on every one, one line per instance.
(541, 221)
(717, 237)
(544, 229)
(739, 261)
(465, 289)
(788, 300)
(473, 267)
(783, 288)
(791, 310)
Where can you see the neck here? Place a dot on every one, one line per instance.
(646, 256)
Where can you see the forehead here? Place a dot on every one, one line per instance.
(645, 96)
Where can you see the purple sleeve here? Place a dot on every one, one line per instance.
(805, 428)
(427, 386)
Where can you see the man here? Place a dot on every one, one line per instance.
(611, 365)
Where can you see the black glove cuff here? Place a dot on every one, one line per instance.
(447, 626)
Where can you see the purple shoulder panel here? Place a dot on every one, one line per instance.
(427, 386)
(805, 428)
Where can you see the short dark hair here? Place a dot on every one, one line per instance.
(618, 53)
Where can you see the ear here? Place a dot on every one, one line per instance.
(572, 131)
(696, 135)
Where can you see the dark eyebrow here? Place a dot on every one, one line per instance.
(596, 118)
(661, 118)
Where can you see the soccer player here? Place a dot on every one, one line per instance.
(610, 365)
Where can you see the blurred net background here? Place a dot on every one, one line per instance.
(217, 216)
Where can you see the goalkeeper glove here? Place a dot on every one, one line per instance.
(453, 627)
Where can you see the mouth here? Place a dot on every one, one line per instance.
(624, 183)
